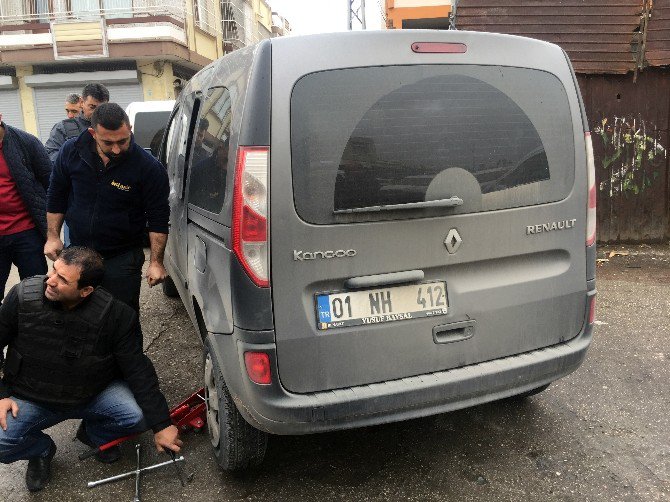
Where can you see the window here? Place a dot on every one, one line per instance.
(203, 12)
(495, 137)
(211, 151)
(166, 154)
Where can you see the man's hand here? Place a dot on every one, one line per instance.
(52, 248)
(6, 405)
(156, 274)
(167, 438)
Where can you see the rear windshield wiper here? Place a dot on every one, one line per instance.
(450, 202)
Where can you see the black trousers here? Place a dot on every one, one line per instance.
(123, 277)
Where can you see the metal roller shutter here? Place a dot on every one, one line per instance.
(50, 102)
(50, 106)
(10, 107)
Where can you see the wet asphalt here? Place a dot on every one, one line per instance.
(600, 434)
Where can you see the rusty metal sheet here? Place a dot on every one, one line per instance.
(599, 35)
(629, 129)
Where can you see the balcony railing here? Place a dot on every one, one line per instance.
(238, 22)
(44, 11)
(203, 13)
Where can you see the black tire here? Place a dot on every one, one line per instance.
(169, 289)
(237, 444)
(529, 393)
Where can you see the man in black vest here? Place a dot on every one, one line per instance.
(92, 96)
(73, 352)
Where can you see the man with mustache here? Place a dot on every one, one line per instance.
(108, 190)
(73, 351)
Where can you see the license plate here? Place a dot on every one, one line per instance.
(373, 306)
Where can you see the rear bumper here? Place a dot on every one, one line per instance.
(273, 409)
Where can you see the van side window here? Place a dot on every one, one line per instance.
(209, 163)
(189, 111)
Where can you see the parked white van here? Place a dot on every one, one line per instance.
(148, 120)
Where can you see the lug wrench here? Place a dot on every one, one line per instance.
(93, 484)
(138, 471)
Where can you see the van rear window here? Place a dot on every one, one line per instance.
(364, 139)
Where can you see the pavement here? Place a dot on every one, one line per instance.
(600, 434)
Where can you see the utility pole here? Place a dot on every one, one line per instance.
(353, 12)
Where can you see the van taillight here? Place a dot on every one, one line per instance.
(250, 214)
(591, 178)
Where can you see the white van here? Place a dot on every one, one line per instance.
(148, 120)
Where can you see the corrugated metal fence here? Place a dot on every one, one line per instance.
(629, 128)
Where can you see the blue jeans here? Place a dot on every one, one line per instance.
(110, 415)
(26, 251)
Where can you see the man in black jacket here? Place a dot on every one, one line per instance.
(73, 352)
(109, 190)
(24, 179)
(92, 96)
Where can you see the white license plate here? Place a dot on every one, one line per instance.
(373, 306)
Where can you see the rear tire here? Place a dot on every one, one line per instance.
(237, 445)
(169, 289)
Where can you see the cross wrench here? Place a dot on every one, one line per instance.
(93, 484)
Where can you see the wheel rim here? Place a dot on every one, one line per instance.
(212, 396)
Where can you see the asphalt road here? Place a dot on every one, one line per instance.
(599, 434)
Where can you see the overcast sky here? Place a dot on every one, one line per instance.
(323, 16)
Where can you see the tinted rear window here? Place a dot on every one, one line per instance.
(494, 137)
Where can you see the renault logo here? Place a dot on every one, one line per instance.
(453, 241)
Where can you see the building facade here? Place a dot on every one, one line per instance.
(142, 50)
(418, 14)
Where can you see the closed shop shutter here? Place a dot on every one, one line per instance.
(10, 108)
(50, 103)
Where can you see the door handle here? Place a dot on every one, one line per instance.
(454, 332)
(369, 281)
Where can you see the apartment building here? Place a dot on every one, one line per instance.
(142, 50)
(418, 14)
(246, 22)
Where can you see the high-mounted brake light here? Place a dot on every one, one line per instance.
(439, 48)
(591, 205)
(250, 212)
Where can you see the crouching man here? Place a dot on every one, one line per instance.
(74, 352)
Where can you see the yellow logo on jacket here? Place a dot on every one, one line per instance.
(118, 185)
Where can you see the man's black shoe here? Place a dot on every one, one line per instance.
(39, 470)
(106, 457)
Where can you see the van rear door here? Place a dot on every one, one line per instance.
(427, 210)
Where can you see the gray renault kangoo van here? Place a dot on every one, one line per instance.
(376, 226)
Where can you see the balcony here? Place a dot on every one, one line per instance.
(89, 26)
(239, 25)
